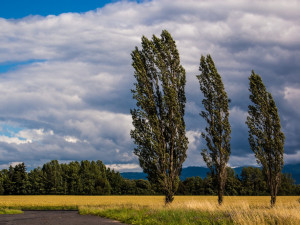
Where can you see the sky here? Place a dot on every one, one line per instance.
(66, 74)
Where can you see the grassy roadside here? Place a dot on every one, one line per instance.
(163, 216)
(19, 209)
(10, 211)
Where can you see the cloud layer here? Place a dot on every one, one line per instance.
(71, 97)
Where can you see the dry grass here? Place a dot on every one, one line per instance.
(240, 209)
(251, 210)
(75, 201)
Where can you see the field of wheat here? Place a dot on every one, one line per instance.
(184, 209)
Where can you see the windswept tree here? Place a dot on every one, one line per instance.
(216, 113)
(158, 119)
(265, 136)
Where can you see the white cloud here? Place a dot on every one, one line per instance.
(14, 140)
(195, 146)
(33, 135)
(130, 167)
(292, 158)
(292, 96)
(238, 115)
(71, 139)
(13, 164)
(192, 108)
(25, 136)
(194, 137)
(244, 160)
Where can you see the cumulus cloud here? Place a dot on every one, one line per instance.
(194, 139)
(292, 158)
(71, 91)
(14, 140)
(13, 164)
(194, 149)
(71, 139)
(291, 95)
(129, 167)
(238, 161)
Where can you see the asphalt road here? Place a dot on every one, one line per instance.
(54, 218)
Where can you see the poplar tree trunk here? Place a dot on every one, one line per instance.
(221, 184)
(169, 198)
(273, 200)
(220, 196)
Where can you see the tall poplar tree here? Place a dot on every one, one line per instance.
(265, 136)
(158, 119)
(216, 114)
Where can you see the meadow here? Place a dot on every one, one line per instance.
(184, 209)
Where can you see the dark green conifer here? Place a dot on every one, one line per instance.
(216, 114)
(158, 119)
(265, 136)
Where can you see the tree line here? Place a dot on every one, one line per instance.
(93, 178)
(251, 182)
(159, 127)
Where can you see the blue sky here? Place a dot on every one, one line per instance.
(13, 65)
(16, 9)
(66, 75)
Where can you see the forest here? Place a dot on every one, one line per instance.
(93, 178)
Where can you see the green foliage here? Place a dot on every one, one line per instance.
(149, 216)
(216, 114)
(14, 180)
(287, 185)
(253, 182)
(265, 136)
(72, 178)
(75, 178)
(93, 178)
(36, 180)
(1, 184)
(115, 180)
(10, 211)
(233, 184)
(53, 177)
(158, 120)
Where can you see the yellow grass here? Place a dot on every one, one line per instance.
(241, 209)
(250, 210)
(70, 200)
(67, 200)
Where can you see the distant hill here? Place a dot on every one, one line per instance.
(194, 171)
(134, 175)
(191, 171)
(293, 169)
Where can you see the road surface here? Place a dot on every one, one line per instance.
(54, 218)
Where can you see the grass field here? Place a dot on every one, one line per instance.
(184, 209)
